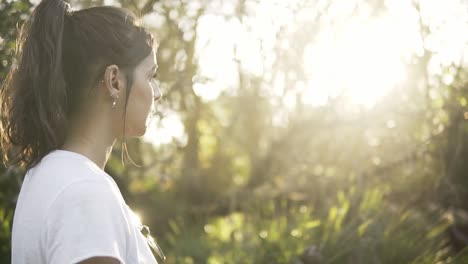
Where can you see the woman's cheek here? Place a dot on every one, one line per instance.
(134, 110)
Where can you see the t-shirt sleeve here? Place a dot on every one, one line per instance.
(86, 220)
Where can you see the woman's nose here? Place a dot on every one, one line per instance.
(157, 94)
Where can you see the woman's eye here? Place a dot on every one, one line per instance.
(153, 77)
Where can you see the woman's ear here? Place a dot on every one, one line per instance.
(113, 80)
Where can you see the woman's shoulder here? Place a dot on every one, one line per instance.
(88, 192)
(72, 164)
(59, 169)
(65, 177)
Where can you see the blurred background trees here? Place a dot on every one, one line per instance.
(301, 131)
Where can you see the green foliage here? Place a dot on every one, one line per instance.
(278, 232)
(12, 15)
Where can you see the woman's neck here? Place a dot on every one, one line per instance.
(91, 136)
(96, 152)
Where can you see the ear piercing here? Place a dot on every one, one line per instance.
(113, 96)
(115, 100)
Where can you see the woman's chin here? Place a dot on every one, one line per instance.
(139, 132)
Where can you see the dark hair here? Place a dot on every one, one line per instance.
(61, 52)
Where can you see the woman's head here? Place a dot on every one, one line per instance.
(65, 59)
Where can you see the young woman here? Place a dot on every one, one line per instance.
(82, 80)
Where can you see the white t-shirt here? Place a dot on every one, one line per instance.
(69, 210)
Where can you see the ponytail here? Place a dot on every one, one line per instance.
(33, 98)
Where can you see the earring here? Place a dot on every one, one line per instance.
(115, 101)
